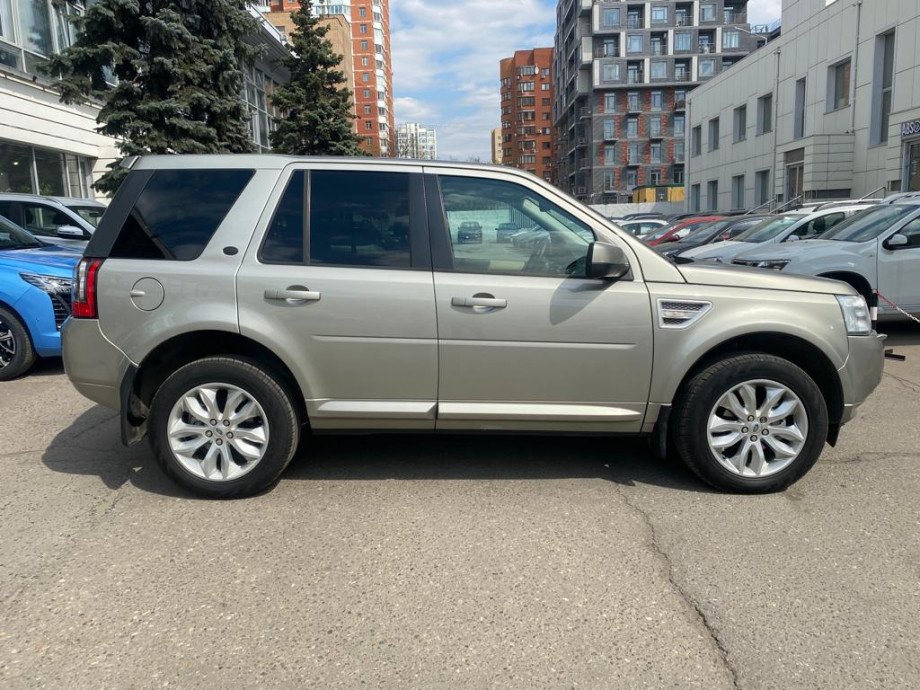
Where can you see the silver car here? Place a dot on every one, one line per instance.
(64, 221)
(227, 303)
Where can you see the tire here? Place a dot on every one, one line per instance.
(273, 418)
(730, 467)
(17, 355)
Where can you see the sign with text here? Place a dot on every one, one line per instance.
(909, 129)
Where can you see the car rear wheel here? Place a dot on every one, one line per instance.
(223, 427)
(752, 423)
(16, 352)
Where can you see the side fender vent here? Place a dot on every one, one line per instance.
(681, 313)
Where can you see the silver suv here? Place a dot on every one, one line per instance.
(226, 304)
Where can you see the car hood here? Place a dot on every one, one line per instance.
(722, 251)
(56, 261)
(793, 250)
(757, 278)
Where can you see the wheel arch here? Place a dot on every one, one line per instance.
(855, 280)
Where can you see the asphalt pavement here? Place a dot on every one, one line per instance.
(462, 561)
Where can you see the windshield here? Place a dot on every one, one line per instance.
(707, 231)
(768, 229)
(868, 224)
(657, 234)
(91, 214)
(14, 237)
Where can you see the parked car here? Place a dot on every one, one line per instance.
(878, 249)
(35, 282)
(640, 228)
(89, 210)
(678, 230)
(530, 238)
(51, 220)
(789, 227)
(469, 231)
(644, 216)
(505, 231)
(716, 231)
(255, 312)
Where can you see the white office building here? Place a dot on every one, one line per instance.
(416, 141)
(829, 109)
(47, 147)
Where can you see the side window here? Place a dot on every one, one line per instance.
(283, 242)
(550, 241)
(44, 220)
(912, 232)
(818, 226)
(178, 213)
(359, 219)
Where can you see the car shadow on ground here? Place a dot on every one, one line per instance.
(900, 333)
(91, 446)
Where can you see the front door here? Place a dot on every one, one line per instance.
(899, 271)
(341, 287)
(526, 342)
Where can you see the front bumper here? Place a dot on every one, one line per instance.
(862, 372)
(93, 364)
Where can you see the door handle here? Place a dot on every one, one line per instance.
(479, 301)
(295, 293)
(137, 293)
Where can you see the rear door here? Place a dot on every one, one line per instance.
(899, 270)
(526, 341)
(338, 280)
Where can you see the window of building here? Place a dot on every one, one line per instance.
(610, 71)
(655, 152)
(29, 170)
(696, 140)
(882, 83)
(526, 86)
(712, 195)
(365, 77)
(695, 198)
(634, 153)
(632, 101)
(481, 201)
(680, 98)
(632, 178)
(44, 28)
(609, 47)
(544, 72)
(546, 116)
(634, 43)
(610, 154)
(632, 127)
(527, 101)
(707, 67)
(731, 40)
(762, 187)
(714, 134)
(765, 114)
(365, 61)
(367, 93)
(654, 178)
(659, 69)
(683, 41)
(363, 45)
(528, 159)
(609, 181)
(799, 112)
(659, 15)
(368, 125)
(527, 70)
(707, 12)
(610, 17)
(656, 100)
(838, 86)
(178, 213)
(679, 125)
(362, 11)
(610, 103)
(678, 175)
(609, 129)
(738, 192)
(367, 110)
(654, 126)
(740, 124)
(363, 28)
(544, 101)
(257, 92)
(633, 73)
(545, 87)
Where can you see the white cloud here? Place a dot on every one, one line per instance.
(411, 109)
(763, 11)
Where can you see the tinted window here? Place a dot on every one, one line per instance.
(359, 219)
(14, 237)
(912, 232)
(767, 230)
(178, 213)
(817, 226)
(870, 223)
(551, 242)
(284, 239)
(44, 220)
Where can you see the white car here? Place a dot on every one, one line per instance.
(64, 221)
(641, 226)
(877, 250)
(789, 227)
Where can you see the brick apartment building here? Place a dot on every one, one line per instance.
(373, 69)
(527, 106)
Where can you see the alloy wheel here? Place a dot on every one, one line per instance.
(7, 345)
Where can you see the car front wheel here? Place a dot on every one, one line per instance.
(16, 352)
(751, 423)
(223, 427)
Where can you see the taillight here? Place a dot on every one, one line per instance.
(84, 289)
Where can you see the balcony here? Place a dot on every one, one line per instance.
(681, 76)
(707, 48)
(584, 6)
(679, 103)
(635, 77)
(584, 112)
(657, 48)
(635, 23)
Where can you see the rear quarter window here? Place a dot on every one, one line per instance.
(178, 212)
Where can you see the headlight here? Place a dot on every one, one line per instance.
(855, 314)
(776, 264)
(50, 284)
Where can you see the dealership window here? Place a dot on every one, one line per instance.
(838, 86)
(740, 123)
(882, 83)
(738, 192)
(30, 170)
(799, 112)
(712, 195)
(765, 114)
(714, 134)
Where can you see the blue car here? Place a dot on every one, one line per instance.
(35, 282)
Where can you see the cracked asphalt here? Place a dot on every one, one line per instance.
(456, 561)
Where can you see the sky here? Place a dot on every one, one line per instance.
(446, 55)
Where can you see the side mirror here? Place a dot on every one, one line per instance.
(793, 238)
(897, 240)
(606, 261)
(71, 232)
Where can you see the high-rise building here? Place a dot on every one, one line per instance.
(373, 68)
(416, 141)
(497, 145)
(527, 104)
(623, 71)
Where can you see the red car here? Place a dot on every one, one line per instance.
(678, 230)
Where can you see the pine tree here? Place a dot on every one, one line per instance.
(177, 68)
(318, 112)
